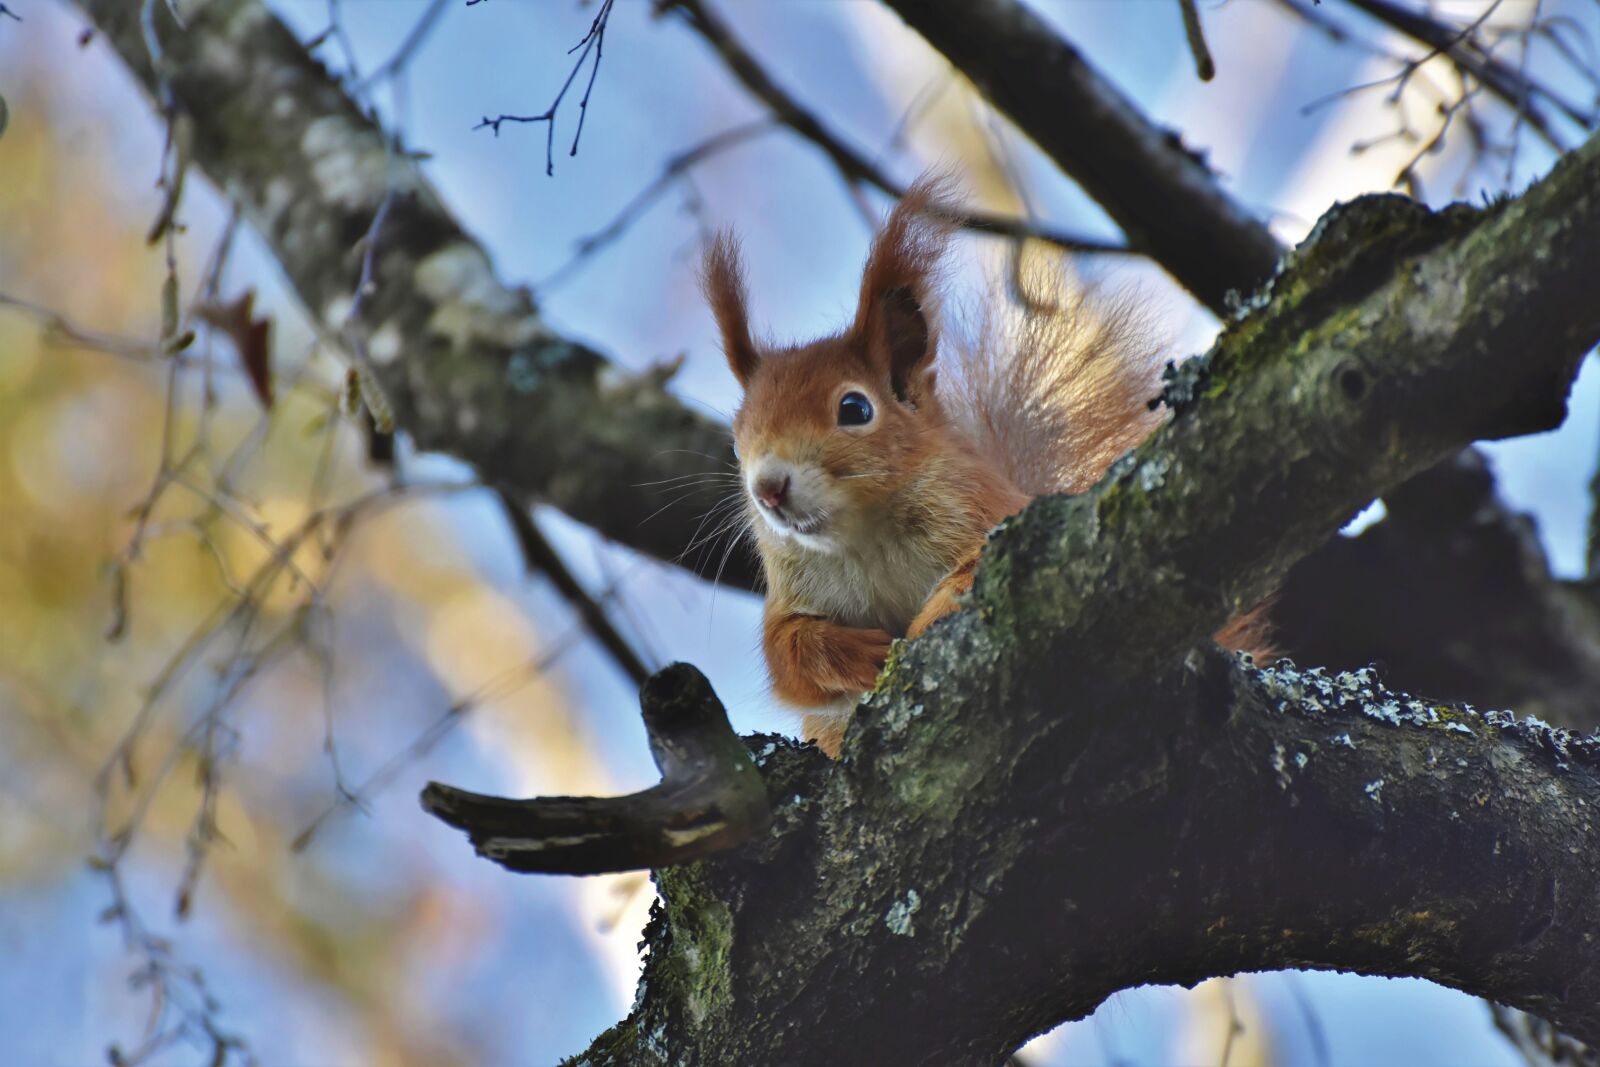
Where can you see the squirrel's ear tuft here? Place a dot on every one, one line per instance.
(722, 281)
(897, 319)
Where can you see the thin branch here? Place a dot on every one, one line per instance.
(1511, 85)
(58, 329)
(426, 23)
(1235, 1025)
(1204, 66)
(1162, 194)
(593, 41)
(1469, 59)
(711, 798)
(1311, 12)
(675, 168)
(499, 686)
(853, 166)
(1316, 1033)
(540, 555)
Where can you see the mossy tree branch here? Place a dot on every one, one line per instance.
(1217, 820)
(1046, 800)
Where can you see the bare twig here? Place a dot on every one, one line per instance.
(1511, 85)
(1315, 1032)
(711, 798)
(1460, 45)
(1469, 49)
(501, 685)
(676, 168)
(1311, 12)
(593, 41)
(59, 329)
(336, 30)
(426, 23)
(1235, 1024)
(362, 380)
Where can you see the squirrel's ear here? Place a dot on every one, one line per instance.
(722, 281)
(900, 330)
(896, 319)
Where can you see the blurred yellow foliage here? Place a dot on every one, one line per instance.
(222, 544)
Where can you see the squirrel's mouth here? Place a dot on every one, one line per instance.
(787, 520)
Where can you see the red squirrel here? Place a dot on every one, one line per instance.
(875, 461)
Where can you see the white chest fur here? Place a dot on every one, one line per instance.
(879, 583)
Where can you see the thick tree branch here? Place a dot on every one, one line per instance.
(1453, 594)
(1162, 194)
(1229, 820)
(467, 363)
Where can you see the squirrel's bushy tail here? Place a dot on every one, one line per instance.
(1054, 386)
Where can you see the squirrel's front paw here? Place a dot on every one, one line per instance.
(944, 599)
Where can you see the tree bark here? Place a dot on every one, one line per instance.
(1225, 820)
(1453, 595)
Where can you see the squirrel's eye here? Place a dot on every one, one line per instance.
(854, 410)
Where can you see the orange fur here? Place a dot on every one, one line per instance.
(813, 659)
(880, 525)
(946, 596)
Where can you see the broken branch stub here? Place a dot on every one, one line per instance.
(711, 798)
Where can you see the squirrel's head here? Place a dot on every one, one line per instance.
(831, 430)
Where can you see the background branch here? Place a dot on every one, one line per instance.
(465, 360)
(540, 555)
(1162, 194)
(1453, 594)
(853, 167)
(1516, 88)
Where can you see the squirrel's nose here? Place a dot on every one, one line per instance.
(772, 490)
